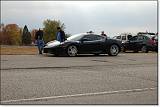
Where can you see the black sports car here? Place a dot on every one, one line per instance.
(86, 43)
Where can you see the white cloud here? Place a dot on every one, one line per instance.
(81, 16)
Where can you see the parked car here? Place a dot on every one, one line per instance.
(147, 34)
(155, 38)
(123, 37)
(142, 43)
(86, 43)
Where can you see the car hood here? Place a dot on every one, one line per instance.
(53, 43)
(57, 43)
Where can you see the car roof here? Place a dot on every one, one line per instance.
(87, 34)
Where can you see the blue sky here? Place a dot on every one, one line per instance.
(113, 17)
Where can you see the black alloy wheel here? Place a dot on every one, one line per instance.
(113, 50)
(144, 49)
(72, 50)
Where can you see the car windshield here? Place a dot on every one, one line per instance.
(76, 37)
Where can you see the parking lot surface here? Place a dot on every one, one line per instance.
(129, 78)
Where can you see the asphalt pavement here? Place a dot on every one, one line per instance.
(129, 78)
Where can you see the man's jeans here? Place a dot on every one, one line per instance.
(40, 44)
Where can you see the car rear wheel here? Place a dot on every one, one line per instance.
(144, 49)
(135, 51)
(56, 54)
(96, 54)
(123, 49)
(113, 50)
(72, 50)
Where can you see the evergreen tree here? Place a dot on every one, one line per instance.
(26, 36)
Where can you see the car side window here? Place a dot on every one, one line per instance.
(129, 36)
(118, 37)
(145, 38)
(134, 38)
(93, 37)
(140, 37)
(87, 38)
(98, 37)
(123, 37)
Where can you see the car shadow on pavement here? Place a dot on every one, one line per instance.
(80, 55)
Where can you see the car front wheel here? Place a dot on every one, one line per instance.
(144, 49)
(123, 49)
(72, 50)
(113, 50)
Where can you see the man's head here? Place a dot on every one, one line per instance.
(102, 32)
(58, 28)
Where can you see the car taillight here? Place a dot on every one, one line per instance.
(152, 42)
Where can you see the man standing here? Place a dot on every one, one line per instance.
(103, 34)
(60, 35)
(39, 40)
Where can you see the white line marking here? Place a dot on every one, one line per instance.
(78, 95)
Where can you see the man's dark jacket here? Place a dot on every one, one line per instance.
(39, 35)
(63, 38)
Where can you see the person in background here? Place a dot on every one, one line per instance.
(39, 40)
(60, 35)
(103, 34)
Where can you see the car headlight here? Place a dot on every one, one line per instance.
(63, 45)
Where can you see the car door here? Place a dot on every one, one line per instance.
(99, 43)
(92, 43)
(140, 42)
(132, 44)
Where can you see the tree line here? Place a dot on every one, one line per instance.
(12, 34)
